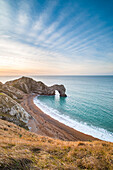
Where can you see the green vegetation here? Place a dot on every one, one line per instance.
(20, 149)
(2, 94)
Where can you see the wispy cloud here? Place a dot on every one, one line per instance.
(5, 16)
(54, 35)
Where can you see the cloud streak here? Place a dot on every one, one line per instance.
(54, 35)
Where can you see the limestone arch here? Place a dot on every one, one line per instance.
(61, 89)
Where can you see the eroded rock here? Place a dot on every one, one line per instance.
(12, 111)
(13, 92)
(28, 85)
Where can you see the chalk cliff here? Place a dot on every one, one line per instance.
(12, 111)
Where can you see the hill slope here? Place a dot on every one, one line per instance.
(20, 149)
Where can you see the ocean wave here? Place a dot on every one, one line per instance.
(80, 126)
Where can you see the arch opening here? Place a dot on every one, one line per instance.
(57, 93)
(57, 96)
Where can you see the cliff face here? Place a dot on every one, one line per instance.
(28, 85)
(12, 111)
(12, 92)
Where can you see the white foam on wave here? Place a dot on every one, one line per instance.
(80, 126)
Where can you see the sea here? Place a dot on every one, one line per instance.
(88, 106)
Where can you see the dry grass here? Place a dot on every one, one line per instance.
(22, 150)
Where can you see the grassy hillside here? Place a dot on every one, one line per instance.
(20, 149)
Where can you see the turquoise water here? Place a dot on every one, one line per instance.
(88, 107)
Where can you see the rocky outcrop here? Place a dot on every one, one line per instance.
(60, 88)
(1, 84)
(12, 111)
(13, 92)
(28, 85)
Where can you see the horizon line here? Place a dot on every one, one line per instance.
(57, 75)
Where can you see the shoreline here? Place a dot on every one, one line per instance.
(43, 124)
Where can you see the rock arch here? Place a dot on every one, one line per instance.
(28, 85)
(60, 88)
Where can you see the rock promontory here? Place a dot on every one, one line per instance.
(28, 85)
(12, 93)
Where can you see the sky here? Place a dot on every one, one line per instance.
(56, 37)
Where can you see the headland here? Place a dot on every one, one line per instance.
(23, 91)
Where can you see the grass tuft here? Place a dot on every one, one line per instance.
(31, 151)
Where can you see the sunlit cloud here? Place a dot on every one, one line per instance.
(54, 37)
